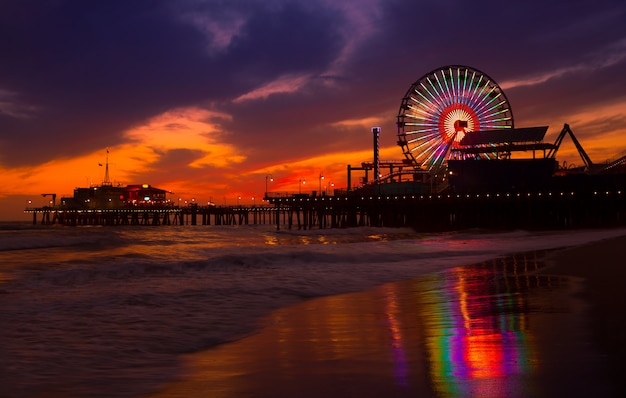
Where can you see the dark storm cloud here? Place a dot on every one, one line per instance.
(75, 74)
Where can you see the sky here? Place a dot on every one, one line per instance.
(207, 98)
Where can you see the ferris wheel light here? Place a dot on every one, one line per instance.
(444, 105)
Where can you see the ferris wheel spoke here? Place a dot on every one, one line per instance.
(436, 100)
(437, 156)
(419, 113)
(449, 94)
(441, 156)
(442, 92)
(441, 99)
(495, 119)
(486, 106)
(421, 141)
(428, 154)
(470, 89)
(422, 123)
(464, 99)
(459, 93)
(481, 100)
(474, 95)
(423, 86)
(492, 110)
(428, 148)
(434, 93)
(420, 103)
(427, 139)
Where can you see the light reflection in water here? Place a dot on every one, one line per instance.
(459, 333)
(475, 328)
(396, 336)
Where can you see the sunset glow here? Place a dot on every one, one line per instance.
(198, 99)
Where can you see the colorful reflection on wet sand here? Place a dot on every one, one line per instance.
(476, 328)
(490, 330)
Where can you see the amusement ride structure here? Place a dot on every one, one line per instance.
(441, 107)
(454, 116)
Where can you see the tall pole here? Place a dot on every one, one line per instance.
(107, 180)
(376, 134)
(267, 177)
(349, 177)
(321, 178)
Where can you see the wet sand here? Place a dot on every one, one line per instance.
(515, 327)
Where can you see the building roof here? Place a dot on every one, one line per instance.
(526, 134)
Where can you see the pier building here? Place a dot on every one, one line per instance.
(106, 196)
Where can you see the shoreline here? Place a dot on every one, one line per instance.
(521, 325)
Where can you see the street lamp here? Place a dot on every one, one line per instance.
(321, 178)
(301, 182)
(267, 178)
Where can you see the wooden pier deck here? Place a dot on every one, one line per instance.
(436, 212)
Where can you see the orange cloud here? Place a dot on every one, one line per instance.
(188, 128)
(365, 123)
(58, 176)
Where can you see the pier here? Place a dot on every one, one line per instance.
(462, 169)
(427, 212)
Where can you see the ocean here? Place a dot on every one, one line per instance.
(109, 311)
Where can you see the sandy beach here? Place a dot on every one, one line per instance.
(531, 325)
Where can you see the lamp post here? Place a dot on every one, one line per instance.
(320, 187)
(267, 178)
(300, 183)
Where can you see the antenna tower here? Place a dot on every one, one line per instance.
(107, 180)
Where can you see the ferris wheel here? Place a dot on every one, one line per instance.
(441, 107)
